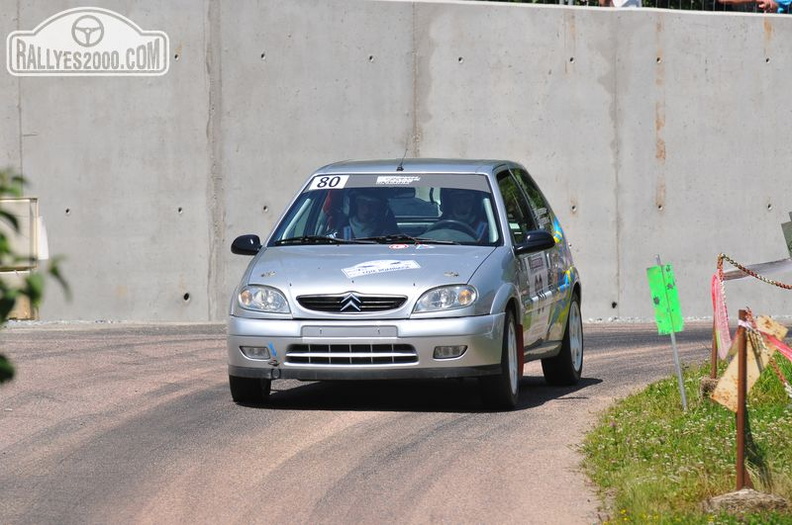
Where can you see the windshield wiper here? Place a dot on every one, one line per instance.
(401, 237)
(319, 239)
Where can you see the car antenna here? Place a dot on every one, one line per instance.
(400, 167)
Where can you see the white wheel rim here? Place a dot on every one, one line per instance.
(575, 336)
(512, 351)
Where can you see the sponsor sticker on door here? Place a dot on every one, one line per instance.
(87, 41)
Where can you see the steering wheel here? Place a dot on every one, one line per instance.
(453, 225)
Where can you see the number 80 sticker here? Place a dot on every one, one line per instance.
(328, 182)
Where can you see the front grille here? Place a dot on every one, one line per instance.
(351, 303)
(358, 354)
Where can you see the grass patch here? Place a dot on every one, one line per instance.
(655, 463)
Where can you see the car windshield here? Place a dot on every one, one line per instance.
(414, 208)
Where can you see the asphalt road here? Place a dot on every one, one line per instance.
(118, 423)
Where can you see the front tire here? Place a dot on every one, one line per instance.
(566, 367)
(503, 390)
(249, 390)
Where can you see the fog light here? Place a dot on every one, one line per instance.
(255, 352)
(449, 352)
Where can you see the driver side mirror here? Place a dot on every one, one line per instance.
(535, 241)
(246, 245)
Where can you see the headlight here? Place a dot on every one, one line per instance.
(263, 299)
(446, 298)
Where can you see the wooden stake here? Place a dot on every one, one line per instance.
(743, 479)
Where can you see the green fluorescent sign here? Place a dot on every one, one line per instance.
(665, 297)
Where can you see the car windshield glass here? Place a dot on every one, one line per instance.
(415, 208)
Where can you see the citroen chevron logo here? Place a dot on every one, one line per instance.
(350, 302)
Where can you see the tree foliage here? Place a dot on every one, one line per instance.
(32, 286)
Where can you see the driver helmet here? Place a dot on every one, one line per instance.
(461, 205)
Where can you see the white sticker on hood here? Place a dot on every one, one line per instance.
(371, 267)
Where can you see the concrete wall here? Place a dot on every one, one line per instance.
(652, 132)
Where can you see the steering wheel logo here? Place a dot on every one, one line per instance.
(87, 31)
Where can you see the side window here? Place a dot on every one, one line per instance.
(541, 209)
(519, 215)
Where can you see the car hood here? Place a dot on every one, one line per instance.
(404, 269)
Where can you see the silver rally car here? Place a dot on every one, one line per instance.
(413, 268)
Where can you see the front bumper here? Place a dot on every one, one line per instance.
(483, 336)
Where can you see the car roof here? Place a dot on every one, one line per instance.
(415, 165)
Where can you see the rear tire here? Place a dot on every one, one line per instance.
(566, 367)
(503, 390)
(249, 390)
